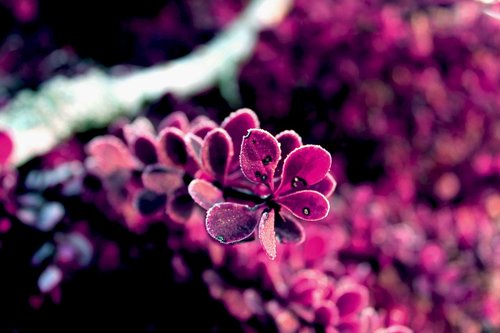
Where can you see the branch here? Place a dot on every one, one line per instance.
(38, 121)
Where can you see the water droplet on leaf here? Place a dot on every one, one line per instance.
(267, 160)
(260, 175)
(297, 181)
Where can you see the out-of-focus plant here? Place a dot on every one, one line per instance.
(404, 95)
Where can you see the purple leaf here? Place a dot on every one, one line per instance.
(267, 237)
(204, 193)
(176, 119)
(201, 125)
(173, 146)
(144, 149)
(307, 288)
(148, 202)
(217, 152)
(351, 299)
(109, 154)
(237, 125)
(304, 167)
(200, 120)
(202, 130)
(160, 179)
(230, 222)
(6, 147)
(349, 327)
(260, 153)
(289, 141)
(180, 206)
(397, 329)
(326, 314)
(326, 186)
(307, 205)
(288, 230)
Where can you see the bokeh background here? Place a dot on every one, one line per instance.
(404, 94)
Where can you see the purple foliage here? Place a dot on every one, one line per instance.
(292, 199)
(403, 95)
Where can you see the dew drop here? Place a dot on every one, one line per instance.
(220, 238)
(267, 160)
(306, 211)
(297, 181)
(260, 175)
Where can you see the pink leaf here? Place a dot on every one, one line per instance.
(201, 125)
(109, 154)
(139, 127)
(369, 320)
(267, 237)
(161, 179)
(204, 193)
(285, 320)
(176, 119)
